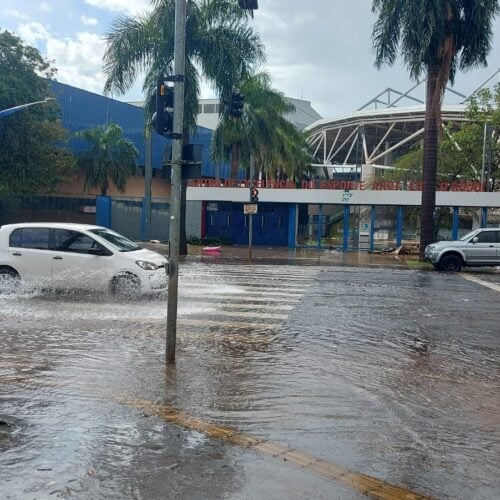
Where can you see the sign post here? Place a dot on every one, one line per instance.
(250, 215)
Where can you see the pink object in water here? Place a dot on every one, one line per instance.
(211, 249)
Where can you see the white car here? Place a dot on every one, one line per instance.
(79, 256)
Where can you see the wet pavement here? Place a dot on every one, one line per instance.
(374, 376)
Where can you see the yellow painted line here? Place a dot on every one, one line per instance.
(479, 281)
(223, 324)
(368, 485)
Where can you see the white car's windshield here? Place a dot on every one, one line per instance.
(121, 243)
(468, 235)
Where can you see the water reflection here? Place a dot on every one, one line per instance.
(337, 373)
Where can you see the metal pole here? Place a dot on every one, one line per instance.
(148, 174)
(484, 160)
(175, 207)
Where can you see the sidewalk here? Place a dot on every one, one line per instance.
(297, 256)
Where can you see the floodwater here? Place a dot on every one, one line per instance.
(387, 373)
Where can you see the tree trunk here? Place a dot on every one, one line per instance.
(104, 188)
(429, 167)
(235, 160)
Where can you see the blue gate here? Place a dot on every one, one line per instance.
(226, 221)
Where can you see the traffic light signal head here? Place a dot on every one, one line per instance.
(236, 104)
(254, 195)
(248, 4)
(163, 118)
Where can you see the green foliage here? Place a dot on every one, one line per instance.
(220, 46)
(450, 34)
(434, 38)
(108, 157)
(461, 150)
(32, 154)
(278, 147)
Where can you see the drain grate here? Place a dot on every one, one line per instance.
(9, 427)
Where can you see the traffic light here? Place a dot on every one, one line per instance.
(163, 118)
(236, 104)
(249, 4)
(254, 195)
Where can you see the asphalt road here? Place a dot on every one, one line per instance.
(290, 382)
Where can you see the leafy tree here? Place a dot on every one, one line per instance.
(278, 147)
(220, 46)
(435, 38)
(484, 107)
(109, 157)
(32, 156)
(462, 149)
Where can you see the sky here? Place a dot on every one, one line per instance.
(317, 50)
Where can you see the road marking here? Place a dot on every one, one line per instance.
(368, 485)
(255, 308)
(250, 293)
(246, 314)
(474, 279)
(225, 324)
(248, 298)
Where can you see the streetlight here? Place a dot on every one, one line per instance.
(15, 109)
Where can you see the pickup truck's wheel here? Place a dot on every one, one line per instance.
(9, 280)
(125, 286)
(451, 263)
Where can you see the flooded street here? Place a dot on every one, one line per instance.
(374, 377)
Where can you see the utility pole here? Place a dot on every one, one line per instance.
(176, 177)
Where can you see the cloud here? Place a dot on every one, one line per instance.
(33, 32)
(79, 61)
(124, 6)
(16, 14)
(45, 7)
(88, 21)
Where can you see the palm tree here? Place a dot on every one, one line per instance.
(220, 47)
(435, 38)
(278, 147)
(109, 157)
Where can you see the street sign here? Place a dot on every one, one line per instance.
(249, 208)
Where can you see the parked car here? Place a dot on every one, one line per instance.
(480, 247)
(79, 256)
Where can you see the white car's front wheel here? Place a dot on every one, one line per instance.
(125, 286)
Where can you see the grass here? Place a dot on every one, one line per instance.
(417, 264)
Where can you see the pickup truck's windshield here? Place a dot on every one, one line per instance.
(468, 235)
(121, 243)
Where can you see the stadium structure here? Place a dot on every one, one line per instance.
(379, 132)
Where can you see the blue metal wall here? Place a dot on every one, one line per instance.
(226, 220)
(81, 110)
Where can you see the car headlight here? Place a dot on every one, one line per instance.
(430, 248)
(148, 266)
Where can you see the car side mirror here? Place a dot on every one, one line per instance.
(475, 239)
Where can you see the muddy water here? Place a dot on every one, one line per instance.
(389, 373)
